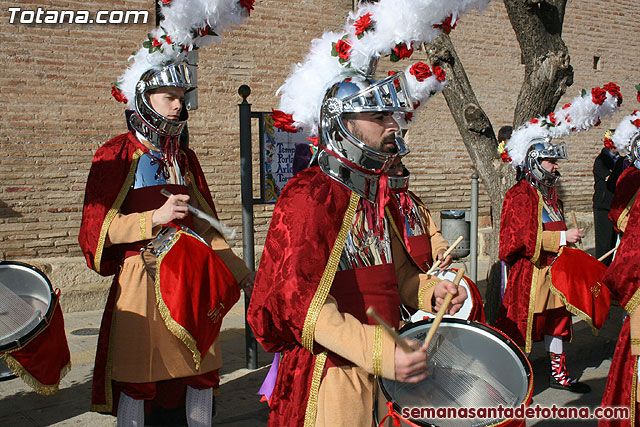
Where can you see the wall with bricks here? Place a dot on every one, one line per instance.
(55, 85)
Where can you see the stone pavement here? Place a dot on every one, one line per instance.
(239, 406)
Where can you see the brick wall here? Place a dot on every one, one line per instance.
(58, 110)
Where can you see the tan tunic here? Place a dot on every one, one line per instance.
(346, 396)
(142, 348)
(545, 299)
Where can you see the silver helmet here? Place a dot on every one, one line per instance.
(634, 148)
(146, 120)
(346, 158)
(544, 149)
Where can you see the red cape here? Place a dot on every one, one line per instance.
(304, 228)
(110, 178)
(626, 189)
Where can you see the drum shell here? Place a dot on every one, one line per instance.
(517, 362)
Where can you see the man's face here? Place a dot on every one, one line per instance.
(376, 129)
(550, 165)
(167, 101)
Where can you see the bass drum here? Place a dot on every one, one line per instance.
(471, 365)
(26, 307)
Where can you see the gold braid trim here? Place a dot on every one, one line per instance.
(377, 351)
(30, 380)
(536, 254)
(633, 303)
(635, 341)
(143, 226)
(174, 327)
(634, 393)
(311, 412)
(570, 308)
(625, 212)
(422, 292)
(115, 208)
(204, 205)
(532, 308)
(329, 273)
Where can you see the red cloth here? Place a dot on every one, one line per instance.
(304, 226)
(109, 178)
(555, 322)
(578, 277)
(197, 298)
(626, 187)
(518, 245)
(617, 392)
(45, 358)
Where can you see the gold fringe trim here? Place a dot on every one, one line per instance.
(625, 212)
(532, 307)
(30, 380)
(536, 254)
(311, 412)
(633, 303)
(308, 330)
(115, 208)
(174, 327)
(571, 308)
(422, 292)
(377, 351)
(143, 226)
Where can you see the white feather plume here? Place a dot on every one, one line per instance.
(625, 132)
(579, 115)
(394, 22)
(182, 21)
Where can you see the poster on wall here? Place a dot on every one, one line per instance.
(278, 149)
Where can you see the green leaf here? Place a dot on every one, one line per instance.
(584, 93)
(638, 87)
(146, 44)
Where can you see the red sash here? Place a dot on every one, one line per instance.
(45, 359)
(577, 276)
(358, 289)
(194, 291)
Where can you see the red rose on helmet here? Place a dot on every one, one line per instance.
(420, 71)
(401, 51)
(283, 121)
(636, 122)
(614, 90)
(363, 24)
(565, 106)
(505, 157)
(166, 1)
(446, 25)
(638, 98)
(552, 119)
(609, 144)
(533, 121)
(598, 95)
(118, 95)
(441, 75)
(342, 49)
(247, 4)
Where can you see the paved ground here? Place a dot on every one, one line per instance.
(239, 406)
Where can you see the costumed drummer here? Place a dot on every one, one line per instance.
(623, 279)
(158, 337)
(329, 253)
(533, 230)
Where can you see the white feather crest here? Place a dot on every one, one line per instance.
(579, 115)
(393, 22)
(184, 25)
(625, 132)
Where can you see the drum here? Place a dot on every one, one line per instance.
(26, 307)
(472, 308)
(471, 366)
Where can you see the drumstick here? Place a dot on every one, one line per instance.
(603, 257)
(397, 338)
(443, 308)
(446, 254)
(222, 229)
(575, 224)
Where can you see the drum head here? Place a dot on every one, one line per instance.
(465, 311)
(474, 366)
(25, 303)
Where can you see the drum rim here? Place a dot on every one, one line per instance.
(508, 341)
(21, 342)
